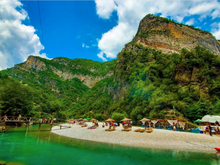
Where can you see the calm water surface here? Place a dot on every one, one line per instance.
(44, 147)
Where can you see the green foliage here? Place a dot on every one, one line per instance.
(143, 85)
(16, 98)
(117, 116)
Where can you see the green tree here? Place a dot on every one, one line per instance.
(117, 116)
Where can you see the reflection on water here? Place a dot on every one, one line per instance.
(44, 147)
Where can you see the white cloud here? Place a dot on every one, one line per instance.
(216, 13)
(100, 55)
(130, 13)
(85, 46)
(216, 31)
(204, 7)
(18, 41)
(190, 22)
(105, 7)
(179, 19)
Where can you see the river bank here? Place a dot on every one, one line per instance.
(159, 139)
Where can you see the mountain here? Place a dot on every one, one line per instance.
(67, 78)
(150, 80)
(170, 37)
(166, 66)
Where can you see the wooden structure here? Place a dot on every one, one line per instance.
(15, 120)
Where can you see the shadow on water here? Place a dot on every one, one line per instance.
(44, 147)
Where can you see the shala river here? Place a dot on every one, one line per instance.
(45, 148)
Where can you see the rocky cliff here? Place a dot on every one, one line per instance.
(68, 78)
(66, 69)
(169, 37)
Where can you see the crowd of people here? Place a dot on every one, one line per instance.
(209, 129)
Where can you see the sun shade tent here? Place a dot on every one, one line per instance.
(93, 119)
(217, 118)
(171, 121)
(144, 120)
(108, 120)
(126, 119)
(211, 119)
(198, 121)
(154, 122)
(182, 123)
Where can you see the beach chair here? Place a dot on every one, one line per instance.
(137, 130)
(108, 129)
(84, 125)
(128, 129)
(113, 129)
(125, 127)
(149, 130)
(142, 130)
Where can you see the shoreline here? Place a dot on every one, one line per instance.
(158, 139)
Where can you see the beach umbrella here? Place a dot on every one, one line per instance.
(88, 118)
(126, 119)
(209, 119)
(197, 121)
(71, 116)
(93, 119)
(80, 119)
(108, 120)
(217, 118)
(145, 120)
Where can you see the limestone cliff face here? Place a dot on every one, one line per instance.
(185, 76)
(35, 63)
(87, 80)
(169, 37)
(64, 71)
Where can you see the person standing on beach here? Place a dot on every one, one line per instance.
(174, 126)
(210, 129)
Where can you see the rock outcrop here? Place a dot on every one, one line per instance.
(65, 68)
(170, 37)
(185, 76)
(35, 63)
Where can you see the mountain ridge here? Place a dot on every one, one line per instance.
(146, 80)
(169, 36)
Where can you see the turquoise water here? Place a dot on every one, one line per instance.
(44, 147)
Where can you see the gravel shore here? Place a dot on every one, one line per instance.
(163, 139)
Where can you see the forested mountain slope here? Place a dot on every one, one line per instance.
(166, 66)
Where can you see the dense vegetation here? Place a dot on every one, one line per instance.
(45, 83)
(152, 89)
(16, 98)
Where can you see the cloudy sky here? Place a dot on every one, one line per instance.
(95, 30)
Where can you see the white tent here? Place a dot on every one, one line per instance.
(217, 118)
(211, 119)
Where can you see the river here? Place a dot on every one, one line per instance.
(45, 148)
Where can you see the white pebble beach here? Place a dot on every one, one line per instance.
(159, 138)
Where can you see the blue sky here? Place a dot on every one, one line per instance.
(96, 30)
(68, 26)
